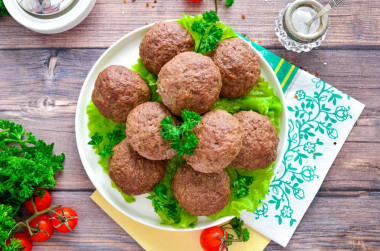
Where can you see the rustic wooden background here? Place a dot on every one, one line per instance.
(41, 77)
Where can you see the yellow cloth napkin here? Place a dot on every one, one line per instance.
(153, 239)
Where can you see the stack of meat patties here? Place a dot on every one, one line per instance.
(192, 81)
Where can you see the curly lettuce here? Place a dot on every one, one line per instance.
(261, 99)
(97, 124)
(149, 77)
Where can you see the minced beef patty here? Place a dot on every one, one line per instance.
(163, 42)
(260, 141)
(239, 66)
(117, 91)
(201, 193)
(143, 131)
(189, 81)
(132, 173)
(219, 142)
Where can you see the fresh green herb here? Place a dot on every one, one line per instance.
(241, 185)
(3, 10)
(181, 138)
(25, 164)
(114, 137)
(206, 30)
(149, 77)
(104, 134)
(237, 225)
(210, 34)
(261, 99)
(164, 203)
(6, 224)
(229, 3)
(245, 199)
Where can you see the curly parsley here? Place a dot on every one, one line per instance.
(3, 10)
(181, 138)
(25, 164)
(209, 33)
(241, 185)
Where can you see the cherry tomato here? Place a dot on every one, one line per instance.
(41, 203)
(26, 243)
(64, 220)
(210, 241)
(46, 229)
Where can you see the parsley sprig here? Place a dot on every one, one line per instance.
(181, 137)
(229, 3)
(209, 32)
(113, 138)
(237, 225)
(241, 185)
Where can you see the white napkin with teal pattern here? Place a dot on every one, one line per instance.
(320, 120)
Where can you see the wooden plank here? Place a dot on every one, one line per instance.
(334, 220)
(350, 26)
(40, 88)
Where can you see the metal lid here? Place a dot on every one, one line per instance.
(294, 33)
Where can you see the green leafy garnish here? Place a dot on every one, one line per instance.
(3, 10)
(255, 194)
(206, 30)
(164, 203)
(105, 134)
(6, 224)
(229, 3)
(261, 99)
(241, 185)
(149, 77)
(181, 138)
(237, 225)
(25, 164)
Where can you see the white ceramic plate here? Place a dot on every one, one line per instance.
(54, 23)
(126, 52)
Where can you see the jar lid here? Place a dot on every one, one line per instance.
(57, 22)
(302, 37)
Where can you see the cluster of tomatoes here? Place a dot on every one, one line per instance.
(41, 226)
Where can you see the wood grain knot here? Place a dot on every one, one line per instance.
(45, 104)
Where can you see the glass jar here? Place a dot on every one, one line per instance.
(291, 37)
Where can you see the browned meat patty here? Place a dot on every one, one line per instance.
(143, 131)
(189, 81)
(132, 173)
(219, 142)
(163, 42)
(260, 141)
(239, 66)
(117, 91)
(201, 193)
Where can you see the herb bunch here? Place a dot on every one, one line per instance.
(208, 31)
(3, 10)
(25, 164)
(181, 138)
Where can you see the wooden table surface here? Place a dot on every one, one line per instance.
(41, 77)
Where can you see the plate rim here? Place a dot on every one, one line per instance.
(82, 157)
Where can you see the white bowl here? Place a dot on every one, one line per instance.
(126, 52)
(53, 23)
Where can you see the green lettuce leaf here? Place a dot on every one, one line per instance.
(187, 21)
(257, 191)
(101, 125)
(149, 77)
(261, 100)
(164, 204)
